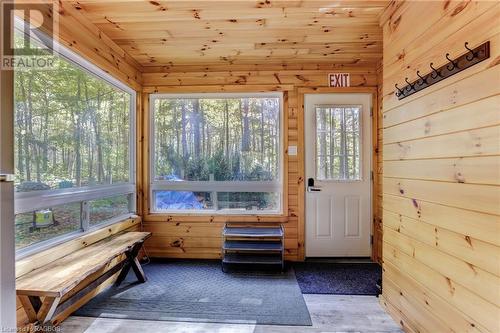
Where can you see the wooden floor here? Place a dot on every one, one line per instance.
(329, 313)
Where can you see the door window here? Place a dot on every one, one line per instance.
(338, 135)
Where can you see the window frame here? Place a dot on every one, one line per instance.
(361, 146)
(276, 186)
(26, 202)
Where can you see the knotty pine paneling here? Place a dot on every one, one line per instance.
(200, 237)
(77, 33)
(378, 173)
(184, 33)
(441, 175)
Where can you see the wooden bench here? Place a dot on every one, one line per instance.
(48, 291)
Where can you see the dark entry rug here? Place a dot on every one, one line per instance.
(199, 291)
(338, 278)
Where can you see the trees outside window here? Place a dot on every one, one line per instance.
(338, 147)
(74, 134)
(216, 153)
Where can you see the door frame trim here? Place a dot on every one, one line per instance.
(7, 232)
(301, 91)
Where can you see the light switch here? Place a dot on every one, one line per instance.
(292, 150)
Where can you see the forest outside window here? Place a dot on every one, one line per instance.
(216, 153)
(74, 151)
(338, 142)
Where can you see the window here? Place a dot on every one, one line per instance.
(216, 153)
(338, 142)
(74, 148)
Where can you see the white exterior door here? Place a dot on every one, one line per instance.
(338, 152)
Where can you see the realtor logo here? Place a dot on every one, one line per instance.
(339, 80)
(25, 40)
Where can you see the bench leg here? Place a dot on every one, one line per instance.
(136, 266)
(37, 310)
(132, 262)
(30, 306)
(47, 309)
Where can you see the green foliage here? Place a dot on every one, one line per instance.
(237, 138)
(70, 126)
(197, 169)
(220, 167)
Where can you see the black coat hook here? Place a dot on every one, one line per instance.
(435, 71)
(471, 52)
(452, 63)
(409, 86)
(400, 92)
(423, 79)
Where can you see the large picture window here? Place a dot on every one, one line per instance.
(74, 150)
(216, 153)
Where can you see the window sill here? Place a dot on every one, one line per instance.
(218, 218)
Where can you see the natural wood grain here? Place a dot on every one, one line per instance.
(441, 187)
(469, 143)
(485, 227)
(479, 198)
(454, 120)
(409, 288)
(455, 95)
(476, 170)
(240, 32)
(78, 34)
(43, 258)
(473, 278)
(397, 315)
(28, 309)
(475, 252)
(60, 276)
(49, 305)
(456, 294)
(421, 320)
(378, 166)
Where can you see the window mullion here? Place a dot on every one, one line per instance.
(132, 203)
(215, 201)
(85, 215)
(29, 201)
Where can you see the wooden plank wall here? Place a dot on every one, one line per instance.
(77, 33)
(378, 169)
(198, 237)
(441, 168)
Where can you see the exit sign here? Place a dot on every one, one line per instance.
(339, 79)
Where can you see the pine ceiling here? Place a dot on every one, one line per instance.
(200, 33)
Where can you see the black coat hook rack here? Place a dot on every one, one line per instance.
(452, 67)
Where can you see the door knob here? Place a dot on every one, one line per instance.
(6, 178)
(311, 187)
